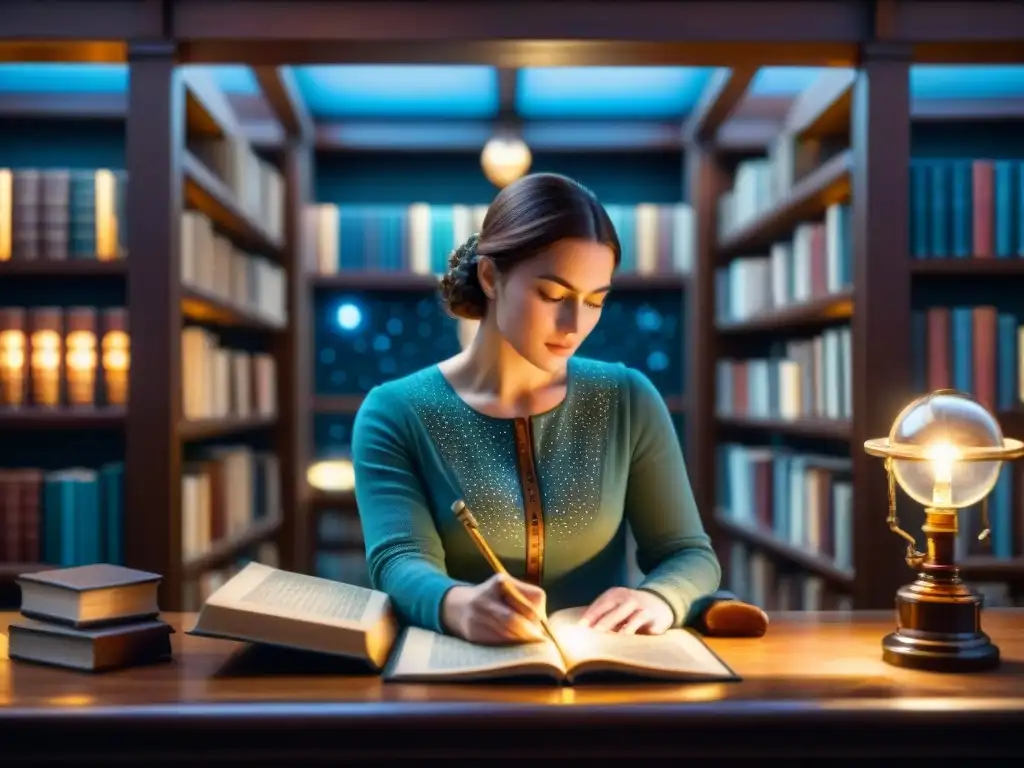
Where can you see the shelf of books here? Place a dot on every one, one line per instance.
(374, 273)
(234, 282)
(64, 362)
(784, 305)
(65, 351)
(967, 331)
(784, 299)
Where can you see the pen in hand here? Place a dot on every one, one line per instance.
(463, 514)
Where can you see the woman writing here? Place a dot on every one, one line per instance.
(553, 453)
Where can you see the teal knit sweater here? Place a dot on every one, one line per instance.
(607, 455)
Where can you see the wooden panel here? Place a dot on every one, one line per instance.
(285, 100)
(293, 351)
(793, 21)
(881, 343)
(154, 134)
(717, 102)
(82, 19)
(815, 684)
(502, 52)
(705, 182)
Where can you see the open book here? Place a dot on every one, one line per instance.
(266, 605)
(677, 655)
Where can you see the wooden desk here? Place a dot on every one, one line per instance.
(815, 685)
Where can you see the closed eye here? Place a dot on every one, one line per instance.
(558, 299)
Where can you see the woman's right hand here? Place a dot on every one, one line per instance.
(488, 615)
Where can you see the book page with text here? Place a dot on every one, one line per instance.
(428, 654)
(677, 651)
(261, 589)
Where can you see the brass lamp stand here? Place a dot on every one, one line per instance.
(938, 617)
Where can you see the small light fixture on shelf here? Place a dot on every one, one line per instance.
(334, 475)
(946, 451)
(80, 356)
(13, 357)
(505, 158)
(45, 356)
(116, 356)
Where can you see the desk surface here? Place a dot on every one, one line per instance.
(813, 675)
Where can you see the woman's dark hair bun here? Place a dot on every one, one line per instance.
(461, 291)
(525, 218)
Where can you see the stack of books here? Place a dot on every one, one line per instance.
(92, 618)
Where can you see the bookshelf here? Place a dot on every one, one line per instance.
(965, 269)
(164, 113)
(172, 290)
(882, 295)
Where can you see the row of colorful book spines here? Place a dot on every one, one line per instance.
(726, 298)
(80, 518)
(739, 402)
(825, 268)
(823, 525)
(747, 475)
(381, 241)
(779, 591)
(964, 209)
(1001, 511)
(973, 349)
(743, 378)
(80, 245)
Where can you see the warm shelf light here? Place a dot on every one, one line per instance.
(116, 359)
(505, 159)
(45, 357)
(80, 357)
(332, 475)
(12, 357)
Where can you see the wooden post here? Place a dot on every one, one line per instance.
(294, 361)
(880, 133)
(704, 184)
(155, 128)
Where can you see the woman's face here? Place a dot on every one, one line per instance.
(547, 306)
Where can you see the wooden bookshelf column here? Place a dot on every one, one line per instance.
(704, 185)
(881, 347)
(293, 348)
(155, 130)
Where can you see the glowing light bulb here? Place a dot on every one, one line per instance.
(942, 457)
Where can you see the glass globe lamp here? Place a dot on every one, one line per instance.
(945, 450)
(941, 424)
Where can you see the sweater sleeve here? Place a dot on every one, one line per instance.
(403, 549)
(673, 550)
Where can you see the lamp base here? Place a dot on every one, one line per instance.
(938, 623)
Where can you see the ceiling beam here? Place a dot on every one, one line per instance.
(540, 135)
(518, 53)
(823, 108)
(952, 110)
(81, 20)
(64, 106)
(444, 21)
(720, 96)
(209, 112)
(69, 51)
(285, 101)
(339, 24)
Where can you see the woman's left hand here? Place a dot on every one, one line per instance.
(629, 612)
